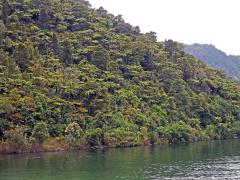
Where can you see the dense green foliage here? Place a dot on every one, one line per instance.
(67, 70)
(216, 58)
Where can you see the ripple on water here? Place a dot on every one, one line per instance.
(204, 160)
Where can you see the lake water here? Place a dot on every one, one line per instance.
(203, 160)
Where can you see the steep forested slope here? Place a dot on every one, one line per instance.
(86, 77)
(216, 58)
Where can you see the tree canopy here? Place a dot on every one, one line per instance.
(68, 70)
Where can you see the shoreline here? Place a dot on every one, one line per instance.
(9, 149)
(60, 145)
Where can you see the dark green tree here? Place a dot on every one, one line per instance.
(6, 11)
(8, 66)
(56, 46)
(24, 53)
(40, 132)
(43, 19)
(67, 53)
(100, 57)
(22, 56)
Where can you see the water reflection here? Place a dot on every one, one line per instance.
(219, 159)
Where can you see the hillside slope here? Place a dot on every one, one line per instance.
(89, 78)
(216, 58)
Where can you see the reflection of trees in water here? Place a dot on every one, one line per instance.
(156, 162)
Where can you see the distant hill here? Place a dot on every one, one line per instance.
(216, 58)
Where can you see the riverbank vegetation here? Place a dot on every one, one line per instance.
(72, 76)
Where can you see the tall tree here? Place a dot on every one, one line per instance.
(43, 19)
(55, 44)
(23, 54)
(100, 57)
(67, 53)
(152, 36)
(8, 66)
(6, 11)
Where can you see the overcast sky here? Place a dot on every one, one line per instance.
(188, 21)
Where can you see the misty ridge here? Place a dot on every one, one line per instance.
(216, 58)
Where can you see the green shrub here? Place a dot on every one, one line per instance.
(73, 133)
(153, 136)
(16, 137)
(177, 132)
(94, 137)
(120, 137)
(40, 132)
(211, 132)
(236, 128)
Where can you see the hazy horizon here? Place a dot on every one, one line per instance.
(187, 21)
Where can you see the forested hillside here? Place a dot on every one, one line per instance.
(74, 76)
(216, 58)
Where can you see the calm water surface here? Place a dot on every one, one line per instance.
(204, 160)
